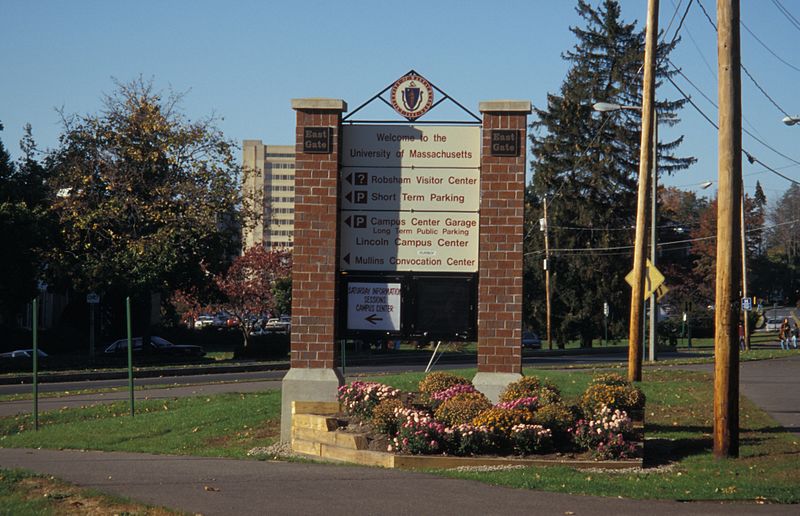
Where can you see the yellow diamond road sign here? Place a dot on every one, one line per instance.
(652, 280)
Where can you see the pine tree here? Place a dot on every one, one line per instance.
(585, 164)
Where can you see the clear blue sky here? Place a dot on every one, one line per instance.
(245, 60)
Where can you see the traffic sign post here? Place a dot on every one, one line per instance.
(747, 304)
(93, 299)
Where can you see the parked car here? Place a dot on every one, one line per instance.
(276, 325)
(204, 321)
(157, 346)
(531, 340)
(22, 353)
(773, 324)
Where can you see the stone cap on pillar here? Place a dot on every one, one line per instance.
(505, 106)
(320, 104)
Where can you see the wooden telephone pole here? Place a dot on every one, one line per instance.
(645, 164)
(547, 275)
(726, 336)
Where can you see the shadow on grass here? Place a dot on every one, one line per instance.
(660, 452)
(774, 429)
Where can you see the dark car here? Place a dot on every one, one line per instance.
(22, 353)
(531, 340)
(157, 346)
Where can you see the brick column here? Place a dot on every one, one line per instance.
(313, 375)
(501, 234)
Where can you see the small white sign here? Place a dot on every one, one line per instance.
(373, 306)
(92, 298)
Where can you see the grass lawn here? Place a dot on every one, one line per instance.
(23, 493)
(226, 425)
(679, 464)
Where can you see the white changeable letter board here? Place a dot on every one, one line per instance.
(373, 306)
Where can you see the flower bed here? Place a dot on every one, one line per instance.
(532, 421)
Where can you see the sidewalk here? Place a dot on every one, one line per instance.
(247, 487)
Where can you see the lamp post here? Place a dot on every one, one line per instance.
(791, 120)
(605, 107)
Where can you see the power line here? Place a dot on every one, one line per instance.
(744, 69)
(750, 157)
(660, 244)
(779, 58)
(794, 21)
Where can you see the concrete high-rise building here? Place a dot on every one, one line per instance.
(268, 190)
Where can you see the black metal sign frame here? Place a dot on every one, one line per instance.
(379, 96)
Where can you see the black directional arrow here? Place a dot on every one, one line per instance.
(349, 196)
(374, 317)
(346, 258)
(349, 178)
(347, 221)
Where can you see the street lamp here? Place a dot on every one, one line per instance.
(605, 107)
(791, 120)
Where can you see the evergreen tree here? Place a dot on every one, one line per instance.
(784, 246)
(586, 164)
(24, 226)
(756, 223)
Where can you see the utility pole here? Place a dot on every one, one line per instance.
(547, 275)
(645, 164)
(746, 323)
(726, 346)
(654, 239)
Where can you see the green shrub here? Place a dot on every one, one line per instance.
(529, 387)
(384, 418)
(558, 418)
(529, 439)
(623, 397)
(501, 421)
(360, 398)
(462, 408)
(439, 381)
(610, 379)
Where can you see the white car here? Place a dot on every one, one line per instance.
(203, 321)
(773, 324)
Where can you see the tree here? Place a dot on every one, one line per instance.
(680, 214)
(784, 245)
(24, 225)
(145, 196)
(585, 166)
(248, 286)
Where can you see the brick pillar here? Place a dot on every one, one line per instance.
(501, 234)
(313, 375)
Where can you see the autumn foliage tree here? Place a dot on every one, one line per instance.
(144, 197)
(249, 286)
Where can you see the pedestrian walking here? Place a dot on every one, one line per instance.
(741, 337)
(783, 334)
(795, 332)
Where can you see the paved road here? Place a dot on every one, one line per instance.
(225, 486)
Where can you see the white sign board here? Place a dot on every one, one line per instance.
(409, 241)
(411, 189)
(411, 145)
(373, 306)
